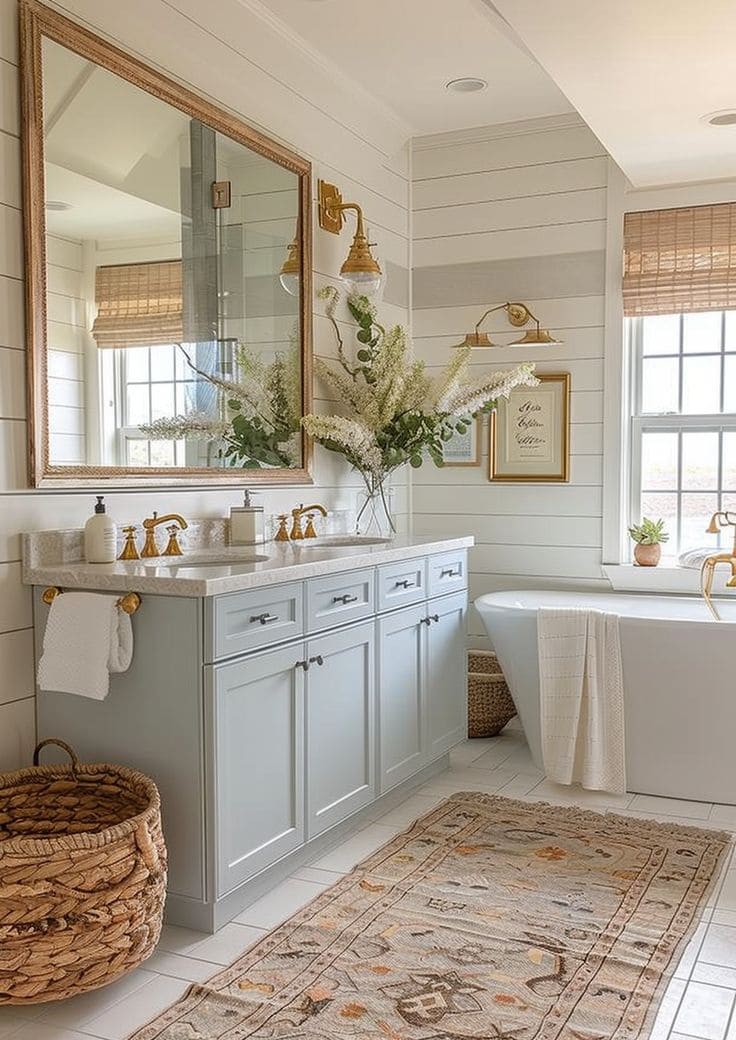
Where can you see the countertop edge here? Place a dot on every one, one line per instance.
(78, 575)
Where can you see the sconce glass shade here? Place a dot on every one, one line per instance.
(361, 271)
(290, 270)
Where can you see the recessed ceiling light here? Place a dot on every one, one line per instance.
(57, 206)
(726, 117)
(466, 85)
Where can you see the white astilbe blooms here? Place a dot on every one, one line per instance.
(470, 398)
(195, 427)
(352, 435)
(452, 379)
(356, 395)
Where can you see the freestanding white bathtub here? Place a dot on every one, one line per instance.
(679, 684)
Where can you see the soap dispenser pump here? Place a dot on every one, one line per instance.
(100, 536)
(247, 523)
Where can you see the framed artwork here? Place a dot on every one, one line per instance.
(463, 449)
(530, 433)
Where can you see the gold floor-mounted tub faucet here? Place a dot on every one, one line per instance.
(717, 522)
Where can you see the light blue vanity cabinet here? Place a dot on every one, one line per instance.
(258, 766)
(422, 700)
(273, 716)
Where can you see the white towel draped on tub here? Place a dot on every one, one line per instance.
(581, 698)
(87, 637)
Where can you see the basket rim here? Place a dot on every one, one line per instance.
(83, 839)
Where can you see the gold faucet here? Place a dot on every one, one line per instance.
(150, 548)
(296, 527)
(717, 522)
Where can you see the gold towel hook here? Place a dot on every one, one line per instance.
(128, 603)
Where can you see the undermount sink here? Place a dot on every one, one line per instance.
(340, 541)
(178, 562)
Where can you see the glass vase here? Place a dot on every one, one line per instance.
(375, 513)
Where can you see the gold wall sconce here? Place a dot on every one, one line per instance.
(360, 270)
(290, 272)
(518, 315)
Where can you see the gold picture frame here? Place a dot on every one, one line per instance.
(452, 450)
(529, 434)
(39, 23)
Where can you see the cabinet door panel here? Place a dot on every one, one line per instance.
(401, 695)
(446, 673)
(259, 762)
(340, 709)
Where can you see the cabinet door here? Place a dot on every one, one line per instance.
(401, 694)
(447, 683)
(259, 763)
(340, 709)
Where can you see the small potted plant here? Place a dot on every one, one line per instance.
(649, 536)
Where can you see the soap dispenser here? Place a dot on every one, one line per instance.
(247, 523)
(100, 536)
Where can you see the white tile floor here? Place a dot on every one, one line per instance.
(700, 1002)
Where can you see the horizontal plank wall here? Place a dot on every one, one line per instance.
(516, 212)
(249, 65)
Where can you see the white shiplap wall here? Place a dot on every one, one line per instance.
(516, 213)
(248, 65)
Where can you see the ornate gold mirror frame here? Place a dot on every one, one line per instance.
(37, 23)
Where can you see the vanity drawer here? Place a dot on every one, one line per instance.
(447, 572)
(402, 583)
(242, 621)
(339, 598)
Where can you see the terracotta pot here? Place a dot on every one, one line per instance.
(647, 555)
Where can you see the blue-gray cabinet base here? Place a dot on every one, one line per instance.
(268, 740)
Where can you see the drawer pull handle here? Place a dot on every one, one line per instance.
(428, 620)
(425, 621)
(302, 664)
(265, 619)
(405, 584)
(345, 599)
(450, 573)
(317, 660)
(434, 617)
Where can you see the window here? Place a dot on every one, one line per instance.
(683, 432)
(154, 382)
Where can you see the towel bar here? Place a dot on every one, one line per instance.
(128, 603)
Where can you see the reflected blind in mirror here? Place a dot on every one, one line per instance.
(680, 260)
(139, 305)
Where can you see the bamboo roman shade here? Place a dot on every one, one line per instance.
(139, 305)
(680, 260)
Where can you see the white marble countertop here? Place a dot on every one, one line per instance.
(170, 576)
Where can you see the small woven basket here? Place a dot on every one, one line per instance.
(82, 877)
(490, 705)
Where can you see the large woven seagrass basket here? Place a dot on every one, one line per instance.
(82, 877)
(490, 705)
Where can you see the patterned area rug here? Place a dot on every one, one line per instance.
(488, 919)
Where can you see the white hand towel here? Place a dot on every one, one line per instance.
(582, 698)
(87, 637)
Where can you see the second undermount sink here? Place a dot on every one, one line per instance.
(179, 562)
(341, 541)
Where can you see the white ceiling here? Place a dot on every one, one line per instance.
(404, 51)
(642, 73)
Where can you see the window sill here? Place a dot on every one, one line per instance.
(667, 577)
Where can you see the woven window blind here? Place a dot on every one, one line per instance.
(680, 260)
(139, 305)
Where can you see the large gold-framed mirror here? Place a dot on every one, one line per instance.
(168, 276)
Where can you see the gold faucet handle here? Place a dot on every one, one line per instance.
(173, 548)
(130, 548)
(310, 531)
(282, 535)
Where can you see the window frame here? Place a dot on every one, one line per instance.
(678, 422)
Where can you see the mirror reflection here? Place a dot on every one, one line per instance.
(173, 336)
